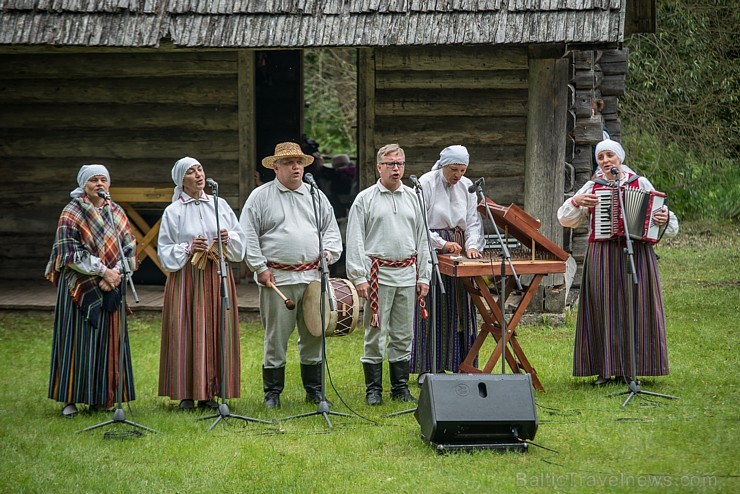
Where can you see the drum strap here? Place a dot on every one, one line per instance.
(306, 266)
(375, 266)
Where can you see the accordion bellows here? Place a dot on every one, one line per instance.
(639, 207)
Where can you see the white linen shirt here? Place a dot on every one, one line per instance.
(387, 225)
(570, 215)
(452, 206)
(280, 225)
(186, 219)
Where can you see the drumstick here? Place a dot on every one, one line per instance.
(288, 302)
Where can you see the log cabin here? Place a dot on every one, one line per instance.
(137, 84)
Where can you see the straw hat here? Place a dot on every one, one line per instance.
(287, 150)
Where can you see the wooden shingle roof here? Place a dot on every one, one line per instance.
(308, 23)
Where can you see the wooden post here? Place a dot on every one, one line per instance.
(546, 137)
(247, 145)
(366, 118)
(245, 90)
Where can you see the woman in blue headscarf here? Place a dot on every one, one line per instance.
(85, 266)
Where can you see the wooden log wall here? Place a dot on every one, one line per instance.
(427, 98)
(594, 75)
(136, 113)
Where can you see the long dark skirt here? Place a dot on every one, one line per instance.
(602, 337)
(84, 359)
(191, 360)
(455, 329)
(455, 321)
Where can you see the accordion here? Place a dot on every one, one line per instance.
(639, 207)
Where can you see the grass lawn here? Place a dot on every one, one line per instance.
(652, 445)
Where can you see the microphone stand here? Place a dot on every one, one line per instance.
(119, 416)
(633, 387)
(223, 409)
(505, 257)
(323, 408)
(436, 277)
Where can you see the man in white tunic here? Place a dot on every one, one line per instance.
(388, 261)
(283, 250)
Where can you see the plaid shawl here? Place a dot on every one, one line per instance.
(85, 231)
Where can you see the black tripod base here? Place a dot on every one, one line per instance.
(633, 389)
(323, 409)
(224, 413)
(119, 417)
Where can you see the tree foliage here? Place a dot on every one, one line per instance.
(681, 108)
(330, 86)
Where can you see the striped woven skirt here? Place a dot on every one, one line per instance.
(455, 323)
(84, 359)
(192, 353)
(602, 345)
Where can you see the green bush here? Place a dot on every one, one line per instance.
(696, 188)
(680, 112)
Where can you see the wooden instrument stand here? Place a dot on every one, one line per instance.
(546, 258)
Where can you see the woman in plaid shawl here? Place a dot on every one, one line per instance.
(85, 267)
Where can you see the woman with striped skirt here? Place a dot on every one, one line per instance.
(455, 227)
(602, 345)
(85, 267)
(194, 356)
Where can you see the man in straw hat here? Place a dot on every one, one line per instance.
(283, 251)
(388, 261)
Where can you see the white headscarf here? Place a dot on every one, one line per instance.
(86, 173)
(616, 148)
(452, 155)
(178, 174)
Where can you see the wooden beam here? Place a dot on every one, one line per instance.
(545, 156)
(436, 58)
(366, 117)
(247, 158)
(461, 79)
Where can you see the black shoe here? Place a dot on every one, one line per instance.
(403, 395)
(311, 377)
(400, 381)
(602, 380)
(212, 404)
(374, 398)
(69, 410)
(272, 399)
(187, 404)
(273, 383)
(373, 383)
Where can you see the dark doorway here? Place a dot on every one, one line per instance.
(278, 102)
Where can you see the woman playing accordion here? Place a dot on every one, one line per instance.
(602, 339)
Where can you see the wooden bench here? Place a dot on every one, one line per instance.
(146, 236)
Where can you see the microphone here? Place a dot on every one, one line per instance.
(103, 194)
(415, 181)
(211, 182)
(475, 185)
(310, 180)
(614, 171)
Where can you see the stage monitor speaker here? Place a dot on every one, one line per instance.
(470, 408)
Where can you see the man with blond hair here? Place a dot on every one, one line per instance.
(388, 261)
